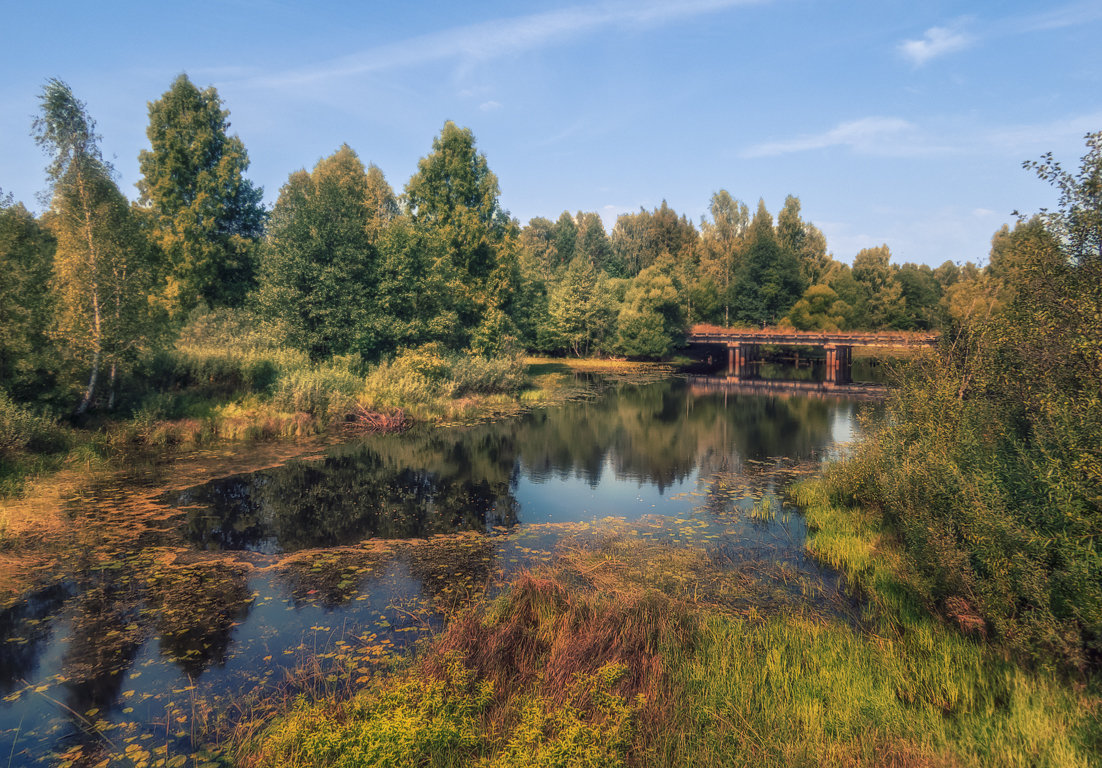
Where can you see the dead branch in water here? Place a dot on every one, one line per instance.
(362, 421)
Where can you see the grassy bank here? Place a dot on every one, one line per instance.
(631, 652)
(229, 384)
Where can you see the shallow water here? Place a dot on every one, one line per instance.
(172, 614)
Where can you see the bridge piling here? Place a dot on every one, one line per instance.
(839, 363)
(740, 360)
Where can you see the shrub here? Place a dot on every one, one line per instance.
(325, 392)
(21, 430)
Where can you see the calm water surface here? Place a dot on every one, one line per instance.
(161, 628)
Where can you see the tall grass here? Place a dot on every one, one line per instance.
(608, 659)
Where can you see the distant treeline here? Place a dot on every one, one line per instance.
(341, 265)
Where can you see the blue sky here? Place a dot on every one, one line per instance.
(894, 122)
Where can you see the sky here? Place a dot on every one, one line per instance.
(893, 121)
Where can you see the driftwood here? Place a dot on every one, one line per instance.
(362, 421)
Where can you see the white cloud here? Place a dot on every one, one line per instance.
(869, 135)
(489, 106)
(937, 41)
(500, 37)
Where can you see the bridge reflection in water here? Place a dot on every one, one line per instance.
(743, 348)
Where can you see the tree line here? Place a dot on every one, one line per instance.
(342, 265)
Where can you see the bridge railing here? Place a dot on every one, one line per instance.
(703, 333)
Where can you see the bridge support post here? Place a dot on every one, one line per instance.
(839, 360)
(740, 360)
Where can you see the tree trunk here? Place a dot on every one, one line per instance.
(91, 391)
(111, 396)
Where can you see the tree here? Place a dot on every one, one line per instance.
(26, 262)
(881, 304)
(1077, 225)
(580, 309)
(651, 322)
(319, 270)
(539, 254)
(413, 294)
(455, 193)
(721, 243)
(819, 309)
(804, 240)
(921, 296)
(592, 241)
(769, 280)
(102, 266)
(382, 205)
(207, 218)
(565, 237)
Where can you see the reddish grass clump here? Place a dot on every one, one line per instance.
(542, 636)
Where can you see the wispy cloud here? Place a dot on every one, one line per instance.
(1056, 18)
(500, 37)
(489, 106)
(942, 40)
(937, 41)
(869, 135)
(896, 137)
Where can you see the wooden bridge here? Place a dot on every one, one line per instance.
(742, 345)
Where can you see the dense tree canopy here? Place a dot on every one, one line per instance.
(206, 216)
(26, 307)
(319, 266)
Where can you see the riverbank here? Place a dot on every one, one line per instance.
(631, 652)
(312, 406)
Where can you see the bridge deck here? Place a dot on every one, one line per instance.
(714, 334)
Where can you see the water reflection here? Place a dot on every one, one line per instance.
(444, 481)
(213, 599)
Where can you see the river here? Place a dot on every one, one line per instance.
(176, 611)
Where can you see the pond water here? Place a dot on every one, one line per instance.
(175, 614)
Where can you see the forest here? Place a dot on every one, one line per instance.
(107, 303)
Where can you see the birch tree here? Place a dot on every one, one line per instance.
(101, 267)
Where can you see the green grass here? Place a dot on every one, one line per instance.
(642, 662)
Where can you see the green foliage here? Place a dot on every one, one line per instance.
(1077, 224)
(414, 719)
(326, 391)
(455, 195)
(103, 266)
(819, 309)
(319, 270)
(988, 465)
(21, 430)
(880, 302)
(26, 303)
(921, 294)
(721, 247)
(410, 721)
(580, 311)
(431, 372)
(639, 239)
(769, 280)
(207, 218)
(651, 322)
(803, 240)
(224, 352)
(414, 289)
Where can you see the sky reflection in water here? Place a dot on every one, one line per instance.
(257, 573)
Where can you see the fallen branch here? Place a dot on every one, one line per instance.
(362, 421)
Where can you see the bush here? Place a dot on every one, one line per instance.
(21, 430)
(481, 375)
(989, 467)
(224, 352)
(325, 392)
(429, 373)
